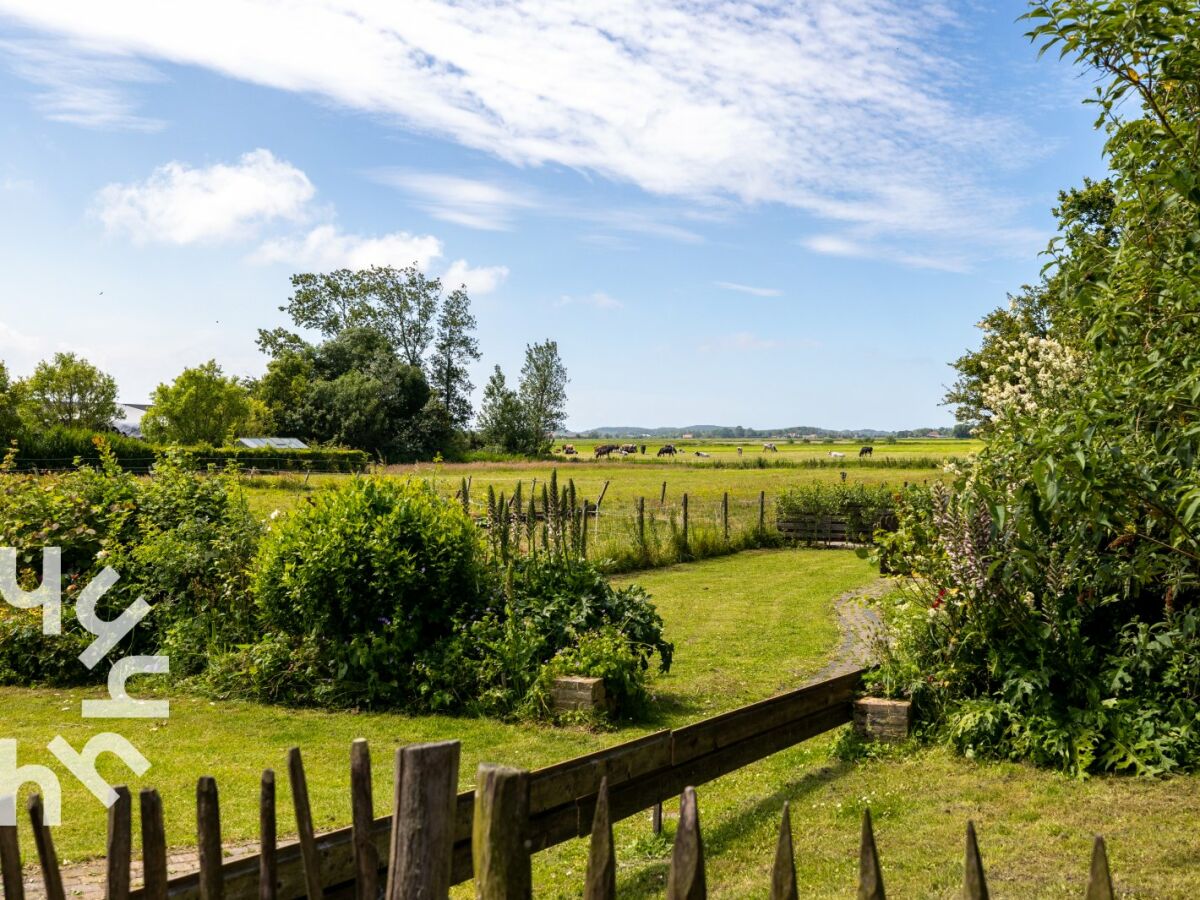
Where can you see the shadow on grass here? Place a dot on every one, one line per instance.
(650, 878)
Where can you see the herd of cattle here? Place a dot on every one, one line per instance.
(605, 450)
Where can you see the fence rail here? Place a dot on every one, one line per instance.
(435, 837)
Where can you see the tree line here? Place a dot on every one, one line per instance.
(388, 373)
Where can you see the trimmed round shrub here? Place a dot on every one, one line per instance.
(374, 571)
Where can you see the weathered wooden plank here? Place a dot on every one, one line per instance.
(47, 858)
(499, 849)
(268, 873)
(119, 848)
(154, 845)
(974, 882)
(423, 822)
(313, 885)
(685, 880)
(579, 777)
(208, 839)
(601, 880)
(362, 817)
(740, 724)
(1099, 886)
(10, 863)
(870, 875)
(783, 873)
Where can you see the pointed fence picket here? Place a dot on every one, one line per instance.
(434, 838)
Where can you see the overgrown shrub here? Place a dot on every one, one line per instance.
(181, 540)
(374, 571)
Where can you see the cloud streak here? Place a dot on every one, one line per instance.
(749, 289)
(850, 110)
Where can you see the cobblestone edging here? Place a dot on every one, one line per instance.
(859, 626)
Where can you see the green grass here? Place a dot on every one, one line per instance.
(745, 627)
(763, 623)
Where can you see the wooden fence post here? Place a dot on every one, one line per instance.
(762, 511)
(685, 881)
(423, 821)
(656, 816)
(783, 875)
(154, 846)
(870, 877)
(583, 530)
(1100, 886)
(725, 514)
(208, 839)
(662, 498)
(601, 883)
(974, 882)
(120, 846)
(266, 836)
(499, 849)
(10, 860)
(47, 858)
(362, 816)
(304, 826)
(684, 503)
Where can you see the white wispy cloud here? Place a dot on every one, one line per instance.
(852, 110)
(179, 204)
(749, 289)
(851, 246)
(463, 201)
(597, 300)
(477, 279)
(328, 247)
(81, 86)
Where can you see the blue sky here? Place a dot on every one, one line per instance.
(768, 214)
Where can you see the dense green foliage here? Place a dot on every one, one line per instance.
(376, 593)
(181, 540)
(864, 507)
(523, 421)
(59, 448)
(1056, 615)
(67, 391)
(201, 406)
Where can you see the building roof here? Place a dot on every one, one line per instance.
(275, 443)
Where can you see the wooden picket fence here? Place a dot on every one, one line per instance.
(436, 837)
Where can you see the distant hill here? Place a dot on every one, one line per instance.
(736, 431)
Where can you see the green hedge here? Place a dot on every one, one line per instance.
(59, 448)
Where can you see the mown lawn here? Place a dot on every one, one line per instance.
(744, 627)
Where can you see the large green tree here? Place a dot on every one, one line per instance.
(1062, 619)
(543, 394)
(501, 423)
(9, 420)
(68, 391)
(454, 348)
(201, 406)
(401, 304)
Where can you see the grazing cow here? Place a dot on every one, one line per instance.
(702, 453)
(629, 448)
(770, 448)
(865, 451)
(739, 451)
(836, 454)
(569, 449)
(605, 449)
(667, 450)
